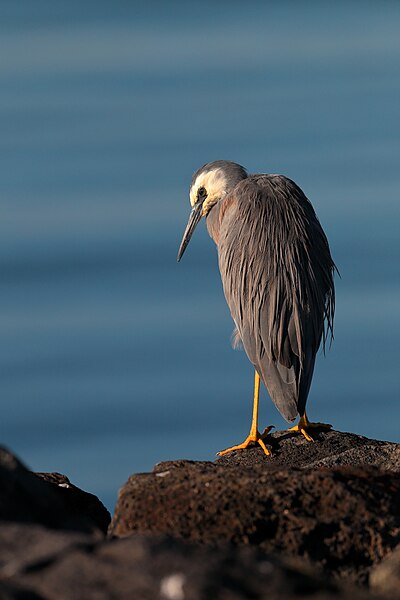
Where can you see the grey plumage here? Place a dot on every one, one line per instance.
(277, 274)
(232, 171)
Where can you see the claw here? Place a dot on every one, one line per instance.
(304, 425)
(256, 438)
(266, 431)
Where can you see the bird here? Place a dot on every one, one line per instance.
(278, 280)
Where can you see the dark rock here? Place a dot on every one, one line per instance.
(79, 502)
(27, 547)
(47, 499)
(385, 577)
(331, 449)
(246, 526)
(15, 592)
(344, 519)
(66, 566)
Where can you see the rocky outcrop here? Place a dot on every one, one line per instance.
(69, 566)
(48, 499)
(331, 449)
(385, 577)
(245, 526)
(334, 502)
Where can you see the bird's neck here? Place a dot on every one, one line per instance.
(213, 222)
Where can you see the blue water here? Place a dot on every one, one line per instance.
(112, 356)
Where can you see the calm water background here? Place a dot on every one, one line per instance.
(112, 356)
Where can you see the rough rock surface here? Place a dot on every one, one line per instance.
(299, 503)
(255, 527)
(331, 449)
(385, 577)
(47, 498)
(70, 566)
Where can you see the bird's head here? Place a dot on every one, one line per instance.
(210, 184)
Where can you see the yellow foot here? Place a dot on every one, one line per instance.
(304, 425)
(258, 438)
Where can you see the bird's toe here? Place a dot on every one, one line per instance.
(251, 439)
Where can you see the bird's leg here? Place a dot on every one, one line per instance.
(304, 426)
(254, 436)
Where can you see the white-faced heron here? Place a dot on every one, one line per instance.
(277, 275)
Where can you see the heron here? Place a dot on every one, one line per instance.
(278, 280)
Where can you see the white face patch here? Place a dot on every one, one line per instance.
(213, 182)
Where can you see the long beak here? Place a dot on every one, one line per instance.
(194, 219)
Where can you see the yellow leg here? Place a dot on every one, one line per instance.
(304, 425)
(254, 435)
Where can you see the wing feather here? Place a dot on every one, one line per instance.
(277, 275)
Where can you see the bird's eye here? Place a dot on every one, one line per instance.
(201, 193)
